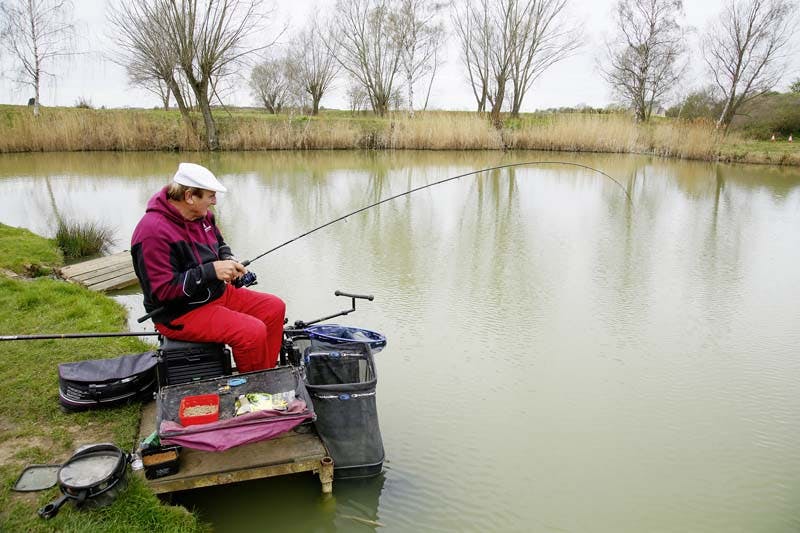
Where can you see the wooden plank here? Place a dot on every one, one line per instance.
(289, 453)
(104, 273)
(70, 271)
(92, 274)
(99, 276)
(118, 282)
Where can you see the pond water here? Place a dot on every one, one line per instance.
(559, 358)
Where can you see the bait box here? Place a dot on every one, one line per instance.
(161, 461)
(201, 400)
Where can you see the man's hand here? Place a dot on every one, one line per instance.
(228, 270)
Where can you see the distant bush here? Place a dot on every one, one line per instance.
(700, 104)
(83, 103)
(772, 114)
(83, 239)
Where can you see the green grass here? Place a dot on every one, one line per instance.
(754, 151)
(33, 428)
(23, 252)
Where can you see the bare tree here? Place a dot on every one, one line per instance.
(152, 84)
(542, 39)
(210, 39)
(270, 84)
(507, 44)
(745, 50)
(150, 62)
(367, 49)
(644, 61)
(471, 22)
(357, 98)
(314, 65)
(36, 32)
(419, 35)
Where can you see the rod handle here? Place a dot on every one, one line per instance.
(149, 315)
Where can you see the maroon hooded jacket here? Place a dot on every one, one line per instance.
(172, 258)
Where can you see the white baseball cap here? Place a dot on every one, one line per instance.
(193, 175)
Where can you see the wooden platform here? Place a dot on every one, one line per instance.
(104, 273)
(289, 453)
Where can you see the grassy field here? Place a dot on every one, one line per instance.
(33, 429)
(72, 129)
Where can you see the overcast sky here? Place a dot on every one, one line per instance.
(574, 81)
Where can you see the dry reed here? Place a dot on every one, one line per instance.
(68, 129)
(441, 131)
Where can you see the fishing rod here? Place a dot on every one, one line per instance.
(76, 336)
(246, 262)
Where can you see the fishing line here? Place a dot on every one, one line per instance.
(248, 261)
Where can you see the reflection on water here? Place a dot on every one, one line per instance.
(559, 359)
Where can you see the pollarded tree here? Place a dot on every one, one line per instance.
(270, 84)
(313, 65)
(367, 48)
(644, 60)
(745, 50)
(36, 32)
(542, 38)
(146, 55)
(474, 31)
(507, 44)
(419, 35)
(210, 38)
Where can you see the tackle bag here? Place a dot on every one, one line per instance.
(106, 382)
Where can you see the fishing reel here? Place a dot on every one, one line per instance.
(249, 278)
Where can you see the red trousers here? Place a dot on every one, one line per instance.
(250, 322)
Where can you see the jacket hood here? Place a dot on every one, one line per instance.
(159, 204)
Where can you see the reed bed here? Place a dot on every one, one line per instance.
(69, 129)
(441, 131)
(577, 133)
(293, 133)
(686, 140)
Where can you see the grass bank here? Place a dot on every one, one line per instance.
(72, 129)
(33, 429)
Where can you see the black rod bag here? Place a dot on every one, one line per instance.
(341, 381)
(106, 382)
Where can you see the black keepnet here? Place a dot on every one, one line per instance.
(341, 380)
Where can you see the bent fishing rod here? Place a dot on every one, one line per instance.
(421, 187)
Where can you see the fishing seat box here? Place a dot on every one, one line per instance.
(183, 362)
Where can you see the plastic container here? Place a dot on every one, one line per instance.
(337, 334)
(161, 461)
(201, 400)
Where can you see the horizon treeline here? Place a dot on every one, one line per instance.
(387, 53)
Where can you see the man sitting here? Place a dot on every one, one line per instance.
(185, 269)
